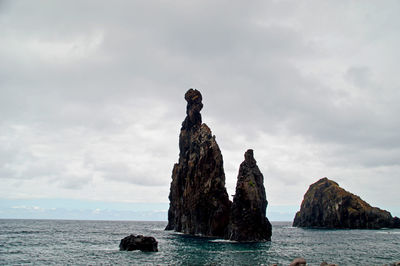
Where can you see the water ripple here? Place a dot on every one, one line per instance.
(44, 242)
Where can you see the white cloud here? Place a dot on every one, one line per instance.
(29, 208)
(53, 51)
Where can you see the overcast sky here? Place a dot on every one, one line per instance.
(91, 97)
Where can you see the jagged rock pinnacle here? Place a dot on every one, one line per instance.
(248, 221)
(249, 158)
(199, 203)
(193, 108)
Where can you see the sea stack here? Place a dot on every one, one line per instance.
(199, 203)
(326, 205)
(248, 221)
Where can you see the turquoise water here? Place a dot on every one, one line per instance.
(46, 242)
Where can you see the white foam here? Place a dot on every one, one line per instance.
(223, 241)
(389, 232)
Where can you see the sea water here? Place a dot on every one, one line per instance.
(58, 242)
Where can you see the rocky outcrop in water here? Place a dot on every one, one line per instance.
(396, 222)
(248, 221)
(324, 263)
(138, 242)
(298, 262)
(199, 203)
(326, 205)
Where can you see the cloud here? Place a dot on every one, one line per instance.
(73, 209)
(92, 107)
(29, 208)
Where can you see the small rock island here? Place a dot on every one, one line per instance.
(138, 242)
(248, 221)
(327, 205)
(199, 202)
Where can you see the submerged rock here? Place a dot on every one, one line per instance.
(326, 205)
(247, 220)
(199, 203)
(138, 242)
(324, 263)
(298, 262)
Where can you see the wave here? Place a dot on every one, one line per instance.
(223, 241)
(387, 232)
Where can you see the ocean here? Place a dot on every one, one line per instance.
(61, 242)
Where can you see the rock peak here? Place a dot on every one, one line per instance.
(248, 221)
(326, 182)
(249, 158)
(324, 179)
(193, 96)
(193, 108)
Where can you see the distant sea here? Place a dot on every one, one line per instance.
(59, 242)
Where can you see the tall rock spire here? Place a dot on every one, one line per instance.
(248, 221)
(199, 203)
(193, 108)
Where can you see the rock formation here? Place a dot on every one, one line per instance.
(324, 263)
(326, 205)
(199, 203)
(298, 262)
(248, 221)
(138, 242)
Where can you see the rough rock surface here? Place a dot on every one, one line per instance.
(396, 222)
(138, 242)
(298, 262)
(324, 263)
(199, 203)
(248, 221)
(326, 205)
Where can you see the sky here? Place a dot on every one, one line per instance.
(92, 100)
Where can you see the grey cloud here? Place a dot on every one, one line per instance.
(102, 85)
(71, 182)
(360, 76)
(146, 175)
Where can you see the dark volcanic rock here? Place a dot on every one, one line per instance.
(199, 203)
(326, 205)
(324, 263)
(396, 222)
(138, 242)
(247, 220)
(298, 262)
